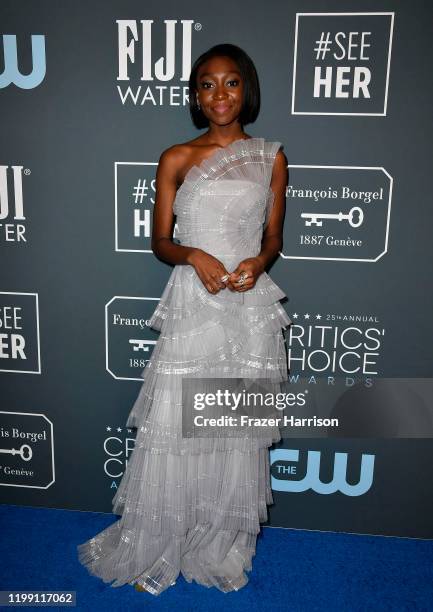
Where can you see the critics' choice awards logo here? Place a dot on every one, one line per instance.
(26, 450)
(19, 333)
(286, 469)
(341, 63)
(118, 446)
(129, 341)
(32, 55)
(12, 218)
(334, 344)
(339, 213)
(155, 57)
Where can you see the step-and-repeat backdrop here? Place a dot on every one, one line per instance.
(91, 93)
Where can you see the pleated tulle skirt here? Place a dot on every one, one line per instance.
(193, 505)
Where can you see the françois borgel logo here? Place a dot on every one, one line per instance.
(19, 333)
(129, 341)
(26, 450)
(31, 55)
(341, 63)
(339, 213)
(154, 60)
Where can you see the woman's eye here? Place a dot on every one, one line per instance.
(207, 84)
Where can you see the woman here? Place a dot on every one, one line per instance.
(193, 505)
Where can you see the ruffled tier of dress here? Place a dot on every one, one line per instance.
(207, 336)
(198, 515)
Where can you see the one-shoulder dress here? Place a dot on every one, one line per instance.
(194, 505)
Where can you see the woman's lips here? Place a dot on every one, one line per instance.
(222, 108)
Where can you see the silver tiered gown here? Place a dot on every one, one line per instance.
(193, 505)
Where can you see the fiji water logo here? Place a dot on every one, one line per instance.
(11, 72)
(145, 77)
(312, 480)
(17, 207)
(135, 44)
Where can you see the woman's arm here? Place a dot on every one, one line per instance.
(163, 218)
(272, 240)
(209, 269)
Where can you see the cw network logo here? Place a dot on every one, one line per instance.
(11, 73)
(312, 480)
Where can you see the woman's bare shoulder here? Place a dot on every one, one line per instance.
(180, 151)
(177, 158)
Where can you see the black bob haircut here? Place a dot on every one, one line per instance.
(251, 101)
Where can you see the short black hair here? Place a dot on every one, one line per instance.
(251, 101)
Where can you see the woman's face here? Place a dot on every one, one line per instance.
(220, 90)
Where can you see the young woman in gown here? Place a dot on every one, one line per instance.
(194, 505)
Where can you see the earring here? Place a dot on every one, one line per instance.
(198, 104)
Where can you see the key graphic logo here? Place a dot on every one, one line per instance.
(354, 217)
(129, 341)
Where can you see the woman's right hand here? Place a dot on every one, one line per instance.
(209, 269)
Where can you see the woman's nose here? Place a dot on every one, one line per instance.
(219, 92)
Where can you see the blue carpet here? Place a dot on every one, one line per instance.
(292, 570)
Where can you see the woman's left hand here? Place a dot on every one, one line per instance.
(252, 268)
